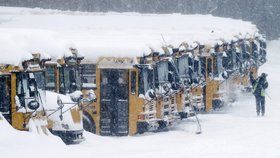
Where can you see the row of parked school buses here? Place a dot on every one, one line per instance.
(125, 96)
(26, 105)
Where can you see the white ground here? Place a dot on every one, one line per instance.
(234, 133)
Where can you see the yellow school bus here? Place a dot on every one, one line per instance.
(168, 89)
(211, 94)
(249, 59)
(189, 68)
(22, 94)
(125, 97)
(62, 77)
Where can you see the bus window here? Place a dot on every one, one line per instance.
(203, 66)
(146, 80)
(50, 77)
(209, 67)
(162, 72)
(183, 66)
(69, 79)
(88, 76)
(133, 82)
(5, 91)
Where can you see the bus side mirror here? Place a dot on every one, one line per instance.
(92, 96)
(59, 102)
(33, 105)
(225, 75)
(76, 96)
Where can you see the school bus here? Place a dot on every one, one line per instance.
(189, 68)
(22, 95)
(168, 89)
(24, 98)
(250, 58)
(211, 91)
(181, 60)
(124, 89)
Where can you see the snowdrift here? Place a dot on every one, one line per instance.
(25, 144)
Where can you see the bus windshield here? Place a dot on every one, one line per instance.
(70, 79)
(50, 77)
(88, 76)
(29, 84)
(145, 80)
(183, 66)
(162, 71)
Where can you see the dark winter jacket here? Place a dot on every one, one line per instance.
(259, 85)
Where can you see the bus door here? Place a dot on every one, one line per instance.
(5, 97)
(114, 102)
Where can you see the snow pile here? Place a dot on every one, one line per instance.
(14, 143)
(108, 34)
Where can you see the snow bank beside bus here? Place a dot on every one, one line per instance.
(14, 143)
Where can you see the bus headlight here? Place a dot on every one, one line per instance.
(33, 105)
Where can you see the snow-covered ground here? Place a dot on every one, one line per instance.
(234, 133)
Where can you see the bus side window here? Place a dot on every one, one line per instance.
(209, 67)
(133, 82)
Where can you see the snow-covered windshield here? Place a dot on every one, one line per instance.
(29, 84)
(70, 79)
(162, 71)
(145, 80)
(183, 66)
(203, 66)
(40, 79)
(197, 67)
(218, 64)
(50, 77)
(248, 50)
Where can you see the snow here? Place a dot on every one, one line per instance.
(107, 34)
(234, 132)
(68, 104)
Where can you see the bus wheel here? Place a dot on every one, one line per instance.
(89, 124)
(142, 127)
(162, 126)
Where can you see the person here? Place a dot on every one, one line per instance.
(259, 86)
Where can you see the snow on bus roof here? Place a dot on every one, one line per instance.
(26, 30)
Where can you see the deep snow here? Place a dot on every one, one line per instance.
(235, 132)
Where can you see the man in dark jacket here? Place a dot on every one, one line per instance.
(259, 86)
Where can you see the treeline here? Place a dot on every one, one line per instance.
(264, 13)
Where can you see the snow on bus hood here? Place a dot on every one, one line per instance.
(67, 123)
(111, 34)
